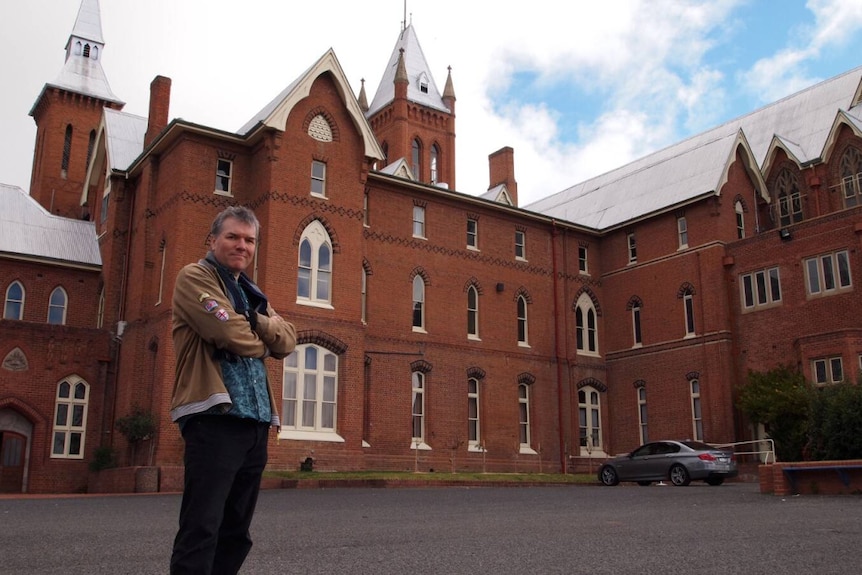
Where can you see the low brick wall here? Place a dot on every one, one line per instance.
(773, 478)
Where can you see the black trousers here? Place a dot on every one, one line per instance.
(224, 460)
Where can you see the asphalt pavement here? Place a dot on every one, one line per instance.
(497, 530)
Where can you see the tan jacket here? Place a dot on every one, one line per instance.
(203, 321)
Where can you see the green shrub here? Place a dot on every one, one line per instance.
(835, 418)
(105, 457)
(137, 426)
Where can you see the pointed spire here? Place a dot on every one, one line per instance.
(449, 89)
(401, 69)
(363, 100)
(88, 24)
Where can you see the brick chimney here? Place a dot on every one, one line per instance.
(160, 102)
(502, 167)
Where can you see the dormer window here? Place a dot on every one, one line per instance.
(423, 83)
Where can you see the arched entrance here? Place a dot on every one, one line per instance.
(15, 435)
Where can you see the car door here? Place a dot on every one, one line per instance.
(637, 465)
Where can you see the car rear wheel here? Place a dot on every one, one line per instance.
(679, 476)
(644, 483)
(608, 476)
(715, 480)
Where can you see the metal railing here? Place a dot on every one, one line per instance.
(770, 452)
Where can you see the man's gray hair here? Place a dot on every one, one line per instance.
(240, 213)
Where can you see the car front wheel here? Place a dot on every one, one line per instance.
(608, 476)
(679, 476)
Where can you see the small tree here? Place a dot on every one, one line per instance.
(137, 426)
(779, 399)
(836, 422)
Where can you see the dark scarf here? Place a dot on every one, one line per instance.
(246, 297)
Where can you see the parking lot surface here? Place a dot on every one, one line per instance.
(500, 530)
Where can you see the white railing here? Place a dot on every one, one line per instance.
(770, 452)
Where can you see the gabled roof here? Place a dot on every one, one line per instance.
(27, 230)
(276, 112)
(418, 74)
(697, 166)
(399, 168)
(499, 194)
(119, 141)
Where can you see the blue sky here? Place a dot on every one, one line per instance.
(577, 88)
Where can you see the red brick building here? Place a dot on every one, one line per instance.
(437, 330)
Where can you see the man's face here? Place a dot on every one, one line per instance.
(234, 246)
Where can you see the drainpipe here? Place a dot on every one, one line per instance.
(563, 462)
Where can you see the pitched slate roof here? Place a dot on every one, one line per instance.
(801, 124)
(124, 138)
(29, 230)
(417, 68)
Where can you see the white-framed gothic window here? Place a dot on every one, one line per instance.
(14, 306)
(472, 313)
(586, 326)
(435, 158)
(789, 198)
(642, 414)
(474, 428)
(851, 177)
(589, 420)
(523, 331)
(418, 303)
(418, 409)
(637, 335)
(739, 210)
(57, 306)
(696, 414)
(310, 394)
(524, 431)
(70, 418)
(688, 307)
(314, 270)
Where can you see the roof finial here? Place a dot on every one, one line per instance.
(404, 21)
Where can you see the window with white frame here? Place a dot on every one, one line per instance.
(418, 222)
(642, 415)
(688, 306)
(224, 168)
(761, 288)
(696, 415)
(57, 307)
(789, 198)
(70, 419)
(474, 432)
(418, 409)
(582, 260)
(435, 157)
(828, 370)
(472, 234)
(418, 303)
(682, 232)
(632, 247)
(524, 415)
(14, 308)
(472, 312)
(828, 273)
(740, 219)
(520, 245)
(586, 326)
(416, 155)
(364, 296)
(589, 420)
(636, 324)
(310, 392)
(523, 332)
(318, 179)
(314, 269)
(851, 177)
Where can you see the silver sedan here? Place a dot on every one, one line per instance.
(680, 462)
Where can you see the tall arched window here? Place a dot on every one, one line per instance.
(586, 326)
(740, 219)
(474, 430)
(789, 198)
(70, 418)
(57, 307)
(523, 338)
(314, 272)
(67, 152)
(472, 312)
(418, 409)
(310, 391)
(589, 420)
(418, 303)
(851, 177)
(696, 416)
(416, 160)
(14, 308)
(524, 415)
(435, 157)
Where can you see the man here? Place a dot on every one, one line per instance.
(223, 328)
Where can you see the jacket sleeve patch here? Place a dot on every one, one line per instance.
(221, 314)
(210, 305)
(203, 295)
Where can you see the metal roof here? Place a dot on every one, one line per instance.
(417, 67)
(124, 136)
(800, 123)
(28, 229)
